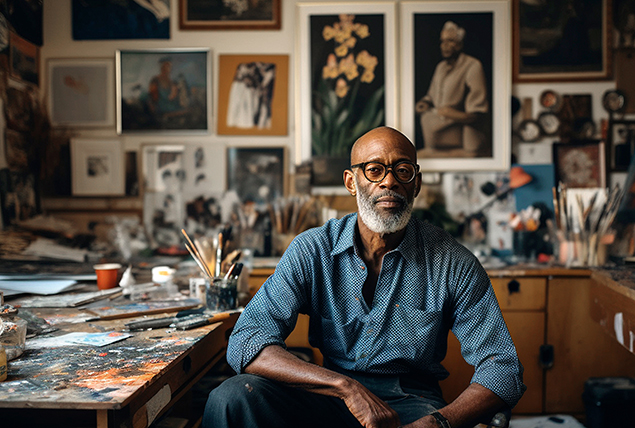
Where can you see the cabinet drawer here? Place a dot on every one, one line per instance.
(520, 293)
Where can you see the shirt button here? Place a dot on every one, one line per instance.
(370, 331)
(362, 355)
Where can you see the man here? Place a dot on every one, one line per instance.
(453, 110)
(382, 289)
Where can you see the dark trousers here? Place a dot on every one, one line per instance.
(249, 401)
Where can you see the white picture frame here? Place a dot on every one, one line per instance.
(97, 167)
(418, 53)
(305, 12)
(81, 92)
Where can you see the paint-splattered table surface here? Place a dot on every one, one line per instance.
(140, 374)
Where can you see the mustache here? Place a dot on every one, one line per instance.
(390, 193)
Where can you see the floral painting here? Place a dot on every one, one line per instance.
(344, 87)
(348, 81)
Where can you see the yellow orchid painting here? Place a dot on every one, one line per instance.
(347, 80)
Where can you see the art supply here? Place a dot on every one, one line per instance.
(205, 320)
(222, 294)
(162, 322)
(196, 255)
(140, 308)
(13, 334)
(107, 275)
(198, 289)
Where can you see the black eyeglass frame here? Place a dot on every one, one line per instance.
(386, 170)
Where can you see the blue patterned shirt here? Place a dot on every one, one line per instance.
(428, 285)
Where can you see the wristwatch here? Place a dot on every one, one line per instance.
(441, 420)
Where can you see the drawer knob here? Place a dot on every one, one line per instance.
(513, 286)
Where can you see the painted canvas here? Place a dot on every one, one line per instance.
(120, 19)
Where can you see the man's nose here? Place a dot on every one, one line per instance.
(390, 180)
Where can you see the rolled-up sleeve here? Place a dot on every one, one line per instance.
(485, 340)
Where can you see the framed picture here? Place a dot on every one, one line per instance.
(252, 94)
(561, 40)
(24, 59)
(620, 146)
(256, 173)
(580, 163)
(448, 113)
(229, 15)
(97, 167)
(163, 90)
(347, 80)
(120, 20)
(81, 92)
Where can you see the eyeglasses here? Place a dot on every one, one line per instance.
(375, 172)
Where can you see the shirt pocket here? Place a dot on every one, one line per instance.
(414, 333)
(338, 340)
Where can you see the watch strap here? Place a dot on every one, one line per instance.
(441, 420)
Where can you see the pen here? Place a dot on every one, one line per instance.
(201, 321)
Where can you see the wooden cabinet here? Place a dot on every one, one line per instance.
(558, 343)
(522, 302)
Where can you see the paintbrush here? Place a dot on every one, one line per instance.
(201, 264)
(194, 252)
(193, 323)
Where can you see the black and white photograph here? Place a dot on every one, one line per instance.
(256, 174)
(97, 167)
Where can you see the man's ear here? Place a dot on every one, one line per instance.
(417, 185)
(349, 182)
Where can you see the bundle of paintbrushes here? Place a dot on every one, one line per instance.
(583, 219)
(293, 215)
(212, 258)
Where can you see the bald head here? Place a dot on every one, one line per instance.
(381, 139)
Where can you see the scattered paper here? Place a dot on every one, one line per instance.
(77, 338)
(47, 286)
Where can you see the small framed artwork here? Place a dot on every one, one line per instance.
(561, 40)
(81, 92)
(580, 163)
(120, 20)
(448, 113)
(163, 90)
(24, 60)
(229, 15)
(252, 94)
(347, 80)
(97, 167)
(256, 173)
(620, 146)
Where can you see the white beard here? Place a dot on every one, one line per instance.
(374, 220)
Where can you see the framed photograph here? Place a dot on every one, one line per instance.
(163, 90)
(229, 15)
(97, 167)
(620, 146)
(120, 20)
(24, 60)
(453, 95)
(580, 163)
(256, 173)
(562, 40)
(81, 92)
(347, 80)
(253, 92)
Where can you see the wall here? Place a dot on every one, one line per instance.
(58, 43)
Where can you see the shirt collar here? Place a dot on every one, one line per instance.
(346, 239)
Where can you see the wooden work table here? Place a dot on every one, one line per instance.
(613, 303)
(128, 384)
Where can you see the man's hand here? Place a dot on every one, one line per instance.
(422, 106)
(368, 409)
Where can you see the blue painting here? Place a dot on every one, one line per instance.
(121, 19)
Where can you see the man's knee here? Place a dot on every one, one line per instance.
(235, 399)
